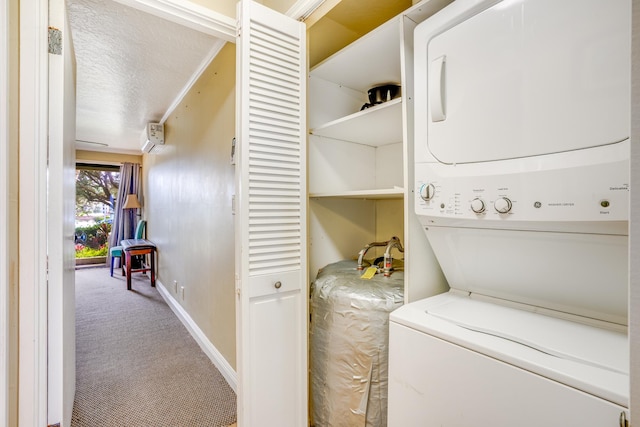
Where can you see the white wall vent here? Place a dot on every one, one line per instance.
(154, 138)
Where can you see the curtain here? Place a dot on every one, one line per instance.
(125, 221)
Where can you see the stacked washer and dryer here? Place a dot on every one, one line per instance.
(522, 170)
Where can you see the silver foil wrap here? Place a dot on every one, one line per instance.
(349, 345)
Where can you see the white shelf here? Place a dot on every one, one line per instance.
(388, 193)
(374, 54)
(375, 126)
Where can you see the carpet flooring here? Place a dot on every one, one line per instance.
(136, 364)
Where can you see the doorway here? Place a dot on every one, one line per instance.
(96, 192)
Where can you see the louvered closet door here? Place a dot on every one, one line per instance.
(271, 219)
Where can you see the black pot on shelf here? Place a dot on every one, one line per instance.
(383, 93)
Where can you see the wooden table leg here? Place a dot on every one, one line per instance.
(153, 268)
(128, 262)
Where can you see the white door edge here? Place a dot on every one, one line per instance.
(32, 373)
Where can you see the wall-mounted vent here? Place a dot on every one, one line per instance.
(154, 138)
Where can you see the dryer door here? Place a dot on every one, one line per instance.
(526, 78)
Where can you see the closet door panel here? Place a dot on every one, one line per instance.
(271, 219)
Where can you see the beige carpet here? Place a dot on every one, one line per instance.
(137, 366)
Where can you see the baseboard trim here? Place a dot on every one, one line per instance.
(209, 349)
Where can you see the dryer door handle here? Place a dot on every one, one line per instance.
(437, 89)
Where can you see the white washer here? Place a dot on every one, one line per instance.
(522, 157)
(445, 372)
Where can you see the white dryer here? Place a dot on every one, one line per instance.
(521, 169)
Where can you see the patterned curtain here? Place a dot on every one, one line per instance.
(125, 221)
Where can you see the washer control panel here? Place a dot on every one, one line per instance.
(427, 191)
(477, 205)
(589, 194)
(502, 205)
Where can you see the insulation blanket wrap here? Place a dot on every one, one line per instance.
(349, 340)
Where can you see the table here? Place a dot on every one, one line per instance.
(131, 247)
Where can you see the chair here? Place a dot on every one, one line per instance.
(116, 251)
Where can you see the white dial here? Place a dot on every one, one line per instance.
(502, 205)
(427, 191)
(477, 205)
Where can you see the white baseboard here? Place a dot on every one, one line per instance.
(209, 349)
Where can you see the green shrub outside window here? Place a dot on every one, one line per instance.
(91, 241)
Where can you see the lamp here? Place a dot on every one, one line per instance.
(131, 202)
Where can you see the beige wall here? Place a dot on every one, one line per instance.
(225, 7)
(98, 156)
(188, 191)
(281, 6)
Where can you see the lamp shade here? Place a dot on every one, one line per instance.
(131, 202)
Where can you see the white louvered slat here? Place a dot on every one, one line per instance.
(283, 122)
(261, 172)
(275, 146)
(265, 85)
(266, 136)
(268, 78)
(275, 186)
(276, 85)
(283, 160)
(285, 117)
(269, 249)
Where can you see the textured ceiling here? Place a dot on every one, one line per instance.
(131, 66)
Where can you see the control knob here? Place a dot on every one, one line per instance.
(502, 205)
(427, 191)
(477, 205)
